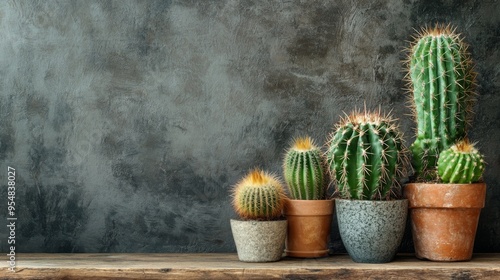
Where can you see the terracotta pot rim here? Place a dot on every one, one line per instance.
(309, 207)
(443, 184)
(259, 221)
(451, 196)
(311, 201)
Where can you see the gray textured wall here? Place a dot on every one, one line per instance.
(128, 121)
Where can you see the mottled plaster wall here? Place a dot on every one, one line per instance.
(128, 121)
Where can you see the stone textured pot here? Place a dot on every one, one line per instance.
(444, 219)
(371, 230)
(259, 241)
(309, 223)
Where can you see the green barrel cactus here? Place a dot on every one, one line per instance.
(366, 156)
(303, 170)
(259, 196)
(461, 164)
(441, 77)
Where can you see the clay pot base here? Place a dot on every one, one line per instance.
(307, 254)
(309, 223)
(444, 234)
(444, 219)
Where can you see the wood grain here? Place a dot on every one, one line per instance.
(227, 266)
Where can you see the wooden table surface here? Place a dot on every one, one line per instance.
(227, 266)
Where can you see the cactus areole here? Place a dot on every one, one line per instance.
(303, 170)
(366, 156)
(442, 80)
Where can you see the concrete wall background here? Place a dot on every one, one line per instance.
(128, 121)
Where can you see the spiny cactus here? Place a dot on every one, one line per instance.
(366, 155)
(460, 164)
(441, 77)
(259, 196)
(303, 170)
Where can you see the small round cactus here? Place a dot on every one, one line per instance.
(366, 156)
(303, 170)
(461, 164)
(259, 196)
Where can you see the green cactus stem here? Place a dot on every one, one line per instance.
(425, 154)
(461, 164)
(366, 156)
(441, 77)
(259, 196)
(303, 170)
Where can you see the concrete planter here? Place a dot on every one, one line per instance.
(309, 223)
(371, 230)
(259, 241)
(444, 219)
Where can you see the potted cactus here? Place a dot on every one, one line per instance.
(366, 157)
(444, 205)
(308, 212)
(259, 198)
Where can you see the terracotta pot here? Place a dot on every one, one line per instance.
(309, 223)
(444, 219)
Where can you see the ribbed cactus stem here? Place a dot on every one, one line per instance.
(425, 154)
(259, 196)
(442, 80)
(461, 164)
(366, 155)
(303, 170)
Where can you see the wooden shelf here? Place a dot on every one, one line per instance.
(227, 266)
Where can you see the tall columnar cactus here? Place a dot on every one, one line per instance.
(366, 155)
(442, 80)
(259, 196)
(460, 164)
(303, 170)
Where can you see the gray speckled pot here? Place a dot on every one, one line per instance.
(371, 230)
(259, 241)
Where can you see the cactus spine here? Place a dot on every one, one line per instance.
(259, 196)
(460, 164)
(303, 170)
(365, 156)
(442, 80)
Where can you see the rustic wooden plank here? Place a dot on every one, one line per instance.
(227, 266)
